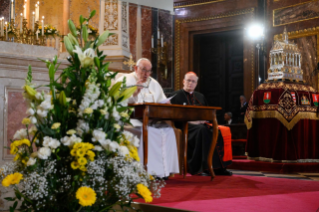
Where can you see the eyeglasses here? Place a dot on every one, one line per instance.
(145, 70)
(189, 81)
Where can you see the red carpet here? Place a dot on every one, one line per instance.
(240, 193)
(252, 165)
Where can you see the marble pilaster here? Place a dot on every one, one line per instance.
(132, 30)
(165, 23)
(146, 31)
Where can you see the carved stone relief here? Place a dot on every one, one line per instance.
(112, 40)
(124, 17)
(111, 15)
(125, 41)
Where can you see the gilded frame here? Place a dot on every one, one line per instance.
(178, 23)
(197, 4)
(273, 14)
(304, 33)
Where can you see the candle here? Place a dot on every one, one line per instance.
(7, 31)
(42, 25)
(152, 41)
(162, 41)
(12, 12)
(32, 26)
(38, 12)
(1, 27)
(21, 23)
(158, 33)
(24, 11)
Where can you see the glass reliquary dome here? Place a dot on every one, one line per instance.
(285, 61)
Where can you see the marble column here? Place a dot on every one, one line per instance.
(133, 29)
(139, 33)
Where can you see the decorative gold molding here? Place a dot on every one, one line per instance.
(178, 37)
(273, 14)
(197, 4)
(303, 33)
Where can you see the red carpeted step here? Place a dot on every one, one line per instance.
(239, 157)
(239, 193)
(252, 165)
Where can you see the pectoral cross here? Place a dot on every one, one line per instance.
(130, 62)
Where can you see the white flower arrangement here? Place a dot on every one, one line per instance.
(77, 155)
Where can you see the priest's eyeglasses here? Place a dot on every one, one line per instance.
(189, 81)
(144, 70)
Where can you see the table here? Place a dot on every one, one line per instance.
(181, 113)
(283, 123)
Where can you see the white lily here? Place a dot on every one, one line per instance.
(86, 57)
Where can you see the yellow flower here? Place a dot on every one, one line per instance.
(82, 168)
(77, 145)
(55, 126)
(151, 177)
(88, 146)
(86, 196)
(73, 152)
(75, 165)
(25, 141)
(91, 155)
(144, 192)
(80, 152)
(70, 132)
(13, 149)
(133, 153)
(17, 157)
(88, 110)
(12, 179)
(26, 121)
(82, 161)
(25, 160)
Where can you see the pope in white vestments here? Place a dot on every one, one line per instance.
(162, 150)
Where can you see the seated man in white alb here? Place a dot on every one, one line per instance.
(162, 150)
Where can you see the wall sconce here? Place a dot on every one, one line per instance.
(161, 51)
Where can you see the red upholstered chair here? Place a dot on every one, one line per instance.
(239, 140)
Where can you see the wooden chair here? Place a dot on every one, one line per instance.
(239, 140)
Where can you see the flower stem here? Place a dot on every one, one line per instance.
(79, 209)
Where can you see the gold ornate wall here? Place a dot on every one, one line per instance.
(84, 7)
(53, 11)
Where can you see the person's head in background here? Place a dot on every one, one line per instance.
(143, 69)
(242, 99)
(190, 82)
(228, 116)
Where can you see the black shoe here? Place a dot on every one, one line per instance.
(223, 172)
(161, 178)
(204, 173)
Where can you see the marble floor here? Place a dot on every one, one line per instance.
(298, 176)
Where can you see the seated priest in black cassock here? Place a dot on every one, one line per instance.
(199, 133)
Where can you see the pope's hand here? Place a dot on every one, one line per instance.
(139, 88)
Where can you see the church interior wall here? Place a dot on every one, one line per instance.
(212, 16)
